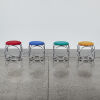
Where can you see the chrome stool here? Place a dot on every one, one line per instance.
(36, 44)
(16, 44)
(58, 44)
(84, 44)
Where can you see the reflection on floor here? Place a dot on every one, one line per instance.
(73, 80)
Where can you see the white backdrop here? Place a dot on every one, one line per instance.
(50, 20)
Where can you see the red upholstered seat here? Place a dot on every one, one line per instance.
(13, 42)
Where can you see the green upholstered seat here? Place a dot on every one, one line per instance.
(61, 43)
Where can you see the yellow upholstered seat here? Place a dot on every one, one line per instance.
(85, 43)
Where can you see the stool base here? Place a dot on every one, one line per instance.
(86, 59)
(89, 57)
(11, 57)
(36, 58)
(60, 58)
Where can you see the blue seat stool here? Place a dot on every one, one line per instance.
(58, 44)
(40, 44)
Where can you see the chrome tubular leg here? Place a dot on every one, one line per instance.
(66, 47)
(20, 50)
(68, 51)
(5, 52)
(29, 52)
(53, 51)
(78, 52)
(94, 51)
(44, 51)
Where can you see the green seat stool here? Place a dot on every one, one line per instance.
(64, 44)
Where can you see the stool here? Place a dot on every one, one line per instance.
(16, 44)
(64, 44)
(84, 44)
(37, 44)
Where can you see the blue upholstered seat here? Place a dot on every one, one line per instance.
(36, 43)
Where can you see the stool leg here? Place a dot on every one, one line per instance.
(68, 50)
(78, 52)
(92, 58)
(53, 51)
(44, 51)
(29, 52)
(93, 52)
(20, 54)
(5, 52)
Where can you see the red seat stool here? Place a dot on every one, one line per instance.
(16, 44)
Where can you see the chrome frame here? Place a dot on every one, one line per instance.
(90, 57)
(67, 47)
(19, 47)
(30, 48)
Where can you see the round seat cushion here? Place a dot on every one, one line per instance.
(36, 43)
(86, 43)
(14, 42)
(61, 43)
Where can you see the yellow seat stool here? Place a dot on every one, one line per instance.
(86, 43)
(81, 46)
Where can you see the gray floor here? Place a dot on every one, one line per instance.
(21, 80)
